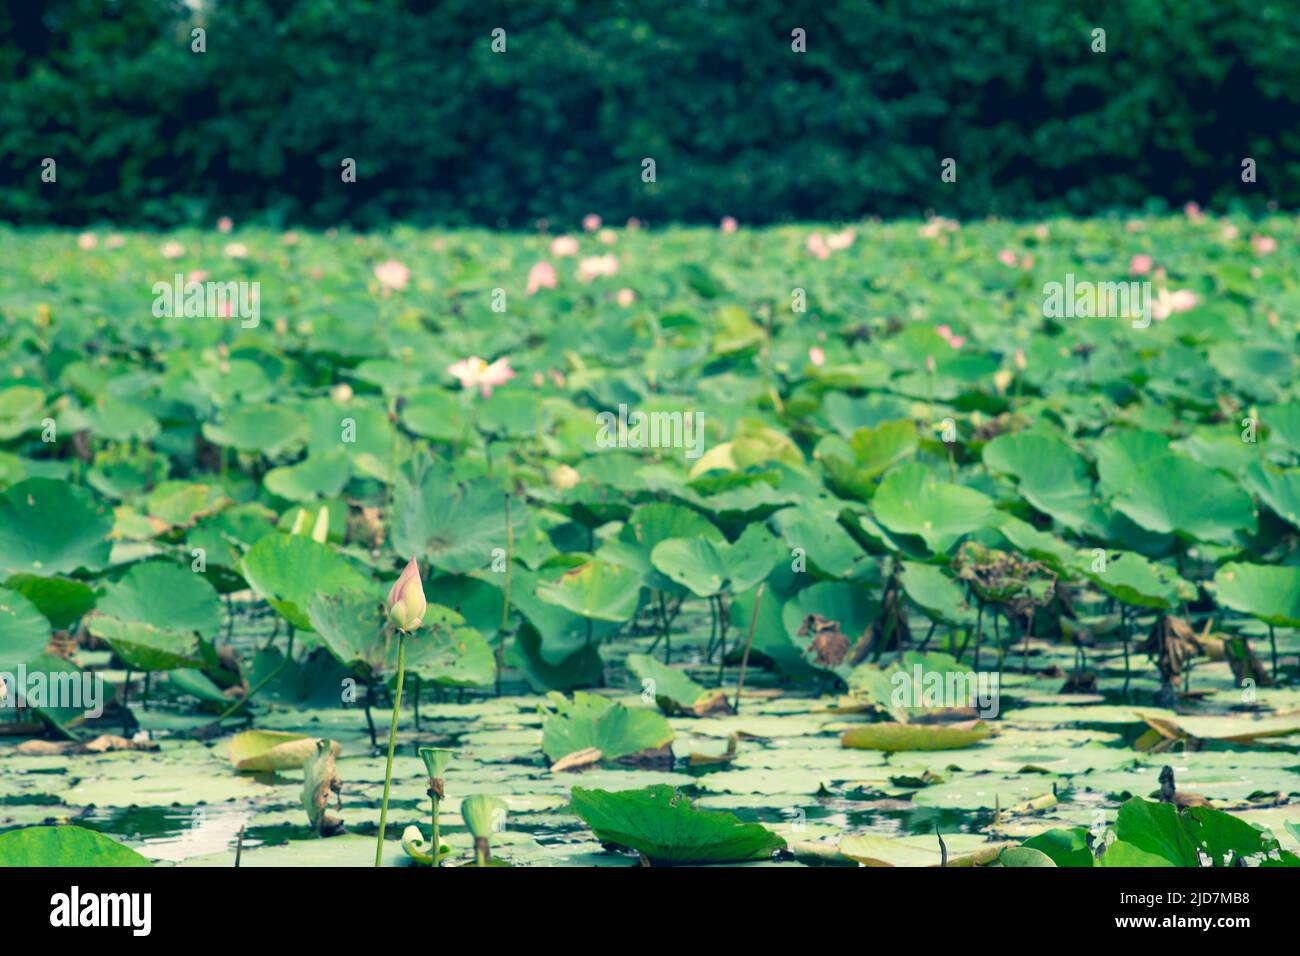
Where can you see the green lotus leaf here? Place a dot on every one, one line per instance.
(49, 526)
(317, 476)
(589, 721)
(288, 569)
(24, 631)
(1176, 495)
(1268, 592)
(455, 527)
(164, 596)
(64, 847)
(22, 409)
(61, 600)
(660, 823)
(910, 500)
(1049, 475)
(265, 428)
(145, 647)
(595, 589)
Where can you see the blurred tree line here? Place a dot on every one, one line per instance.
(444, 129)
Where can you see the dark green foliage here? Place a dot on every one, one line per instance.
(443, 129)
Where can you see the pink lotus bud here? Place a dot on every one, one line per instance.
(562, 246)
(1140, 264)
(817, 356)
(1007, 257)
(541, 276)
(392, 274)
(841, 240)
(625, 297)
(406, 603)
(817, 247)
(595, 266)
(728, 225)
(1263, 245)
(225, 224)
(590, 222)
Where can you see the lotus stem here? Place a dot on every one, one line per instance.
(1272, 645)
(126, 703)
(1125, 625)
(288, 658)
(435, 789)
(505, 597)
(482, 851)
(749, 642)
(392, 742)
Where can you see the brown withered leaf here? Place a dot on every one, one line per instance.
(101, 744)
(62, 644)
(711, 703)
(829, 645)
(578, 759)
(1245, 665)
(1080, 682)
(706, 760)
(321, 784)
(659, 758)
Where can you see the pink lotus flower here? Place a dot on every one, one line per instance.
(474, 372)
(1007, 257)
(562, 246)
(290, 238)
(817, 247)
(1140, 264)
(633, 224)
(625, 297)
(87, 240)
(171, 249)
(541, 276)
(594, 266)
(1263, 245)
(932, 229)
(956, 341)
(817, 356)
(115, 240)
(406, 602)
(607, 237)
(225, 224)
(590, 222)
(1230, 232)
(1168, 303)
(392, 275)
(1193, 212)
(236, 250)
(841, 240)
(728, 225)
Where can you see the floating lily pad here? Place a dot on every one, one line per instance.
(894, 737)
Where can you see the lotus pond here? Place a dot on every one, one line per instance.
(789, 546)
